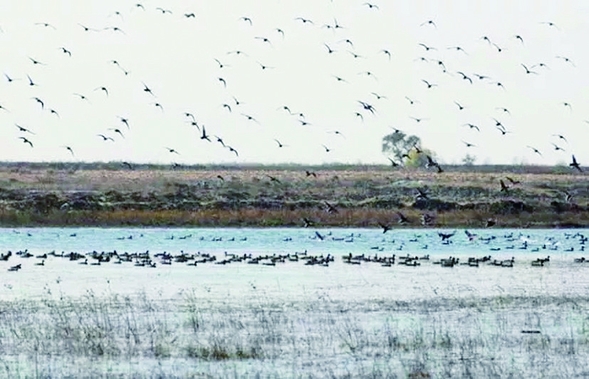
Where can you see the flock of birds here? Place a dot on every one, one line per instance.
(439, 66)
(495, 243)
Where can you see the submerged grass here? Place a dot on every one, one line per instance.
(439, 338)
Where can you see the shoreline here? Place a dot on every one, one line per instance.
(37, 196)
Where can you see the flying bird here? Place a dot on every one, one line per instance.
(68, 148)
(24, 130)
(25, 140)
(106, 138)
(429, 85)
(574, 164)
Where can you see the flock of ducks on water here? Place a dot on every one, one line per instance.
(340, 45)
(150, 260)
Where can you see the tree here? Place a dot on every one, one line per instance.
(399, 144)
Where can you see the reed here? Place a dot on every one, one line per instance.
(436, 338)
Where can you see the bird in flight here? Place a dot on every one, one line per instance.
(473, 126)
(279, 143)
(371, 6)
(429, 22)
(246, 19)
(367, 106)
(117, 131)
(429, 85)
(233, 150)
(172, 151)
(204, 134)
(535, 150)
(426, 47)
(104, 89)
(106, 138)
(125, 121)
(25, 140)
(39, 101)
(574, 164)
(24, 130)
(65, 51)
(556, 147)
(527, 70)
(68, 148)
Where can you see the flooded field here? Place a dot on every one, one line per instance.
(293, 303)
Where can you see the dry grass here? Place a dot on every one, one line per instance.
(240, 196)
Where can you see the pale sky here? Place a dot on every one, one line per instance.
(175, 57)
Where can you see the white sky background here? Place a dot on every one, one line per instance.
(175, 55)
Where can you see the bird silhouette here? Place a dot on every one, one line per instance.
(204, 134)
(575, 164)
(106, 138)
(429, 85)
(68, 148)
(117, 131)
(535, 150)
(172, 151)
(24, 130)
(25, 140)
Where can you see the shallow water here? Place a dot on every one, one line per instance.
(293, 281)
(310, 315)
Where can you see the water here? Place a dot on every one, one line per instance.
(294, 280)
(305, 321)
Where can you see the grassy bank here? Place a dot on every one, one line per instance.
(93, 336)
(53, 195)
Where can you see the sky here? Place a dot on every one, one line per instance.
(191, 65)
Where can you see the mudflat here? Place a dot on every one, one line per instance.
(110, 194)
